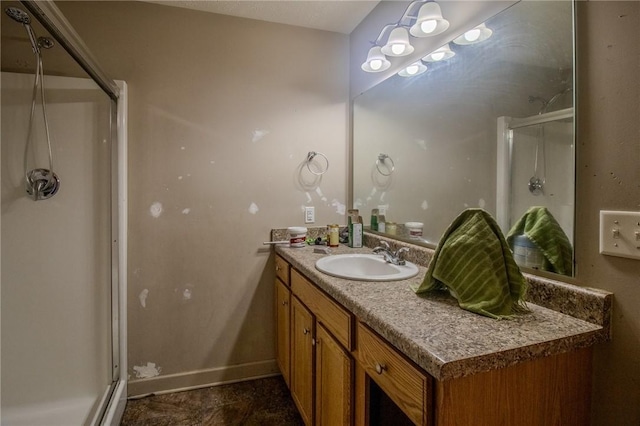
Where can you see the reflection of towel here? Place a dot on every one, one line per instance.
(545, 232)
(475, 263)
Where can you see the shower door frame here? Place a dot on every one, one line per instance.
(47, 13)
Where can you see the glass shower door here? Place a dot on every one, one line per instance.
(56, 255)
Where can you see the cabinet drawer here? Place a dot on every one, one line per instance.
(407, 386)
(333, 316)
(282, 270)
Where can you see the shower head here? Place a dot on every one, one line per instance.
(22, 17)
(18, 15)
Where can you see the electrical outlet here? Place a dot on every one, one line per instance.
(620, 234)
(309, 214)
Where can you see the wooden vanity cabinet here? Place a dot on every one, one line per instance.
(407, 386)
(283, 329)
(334, 381)
(283, 322)
(343, 374)
(318, 349)
(302, 359)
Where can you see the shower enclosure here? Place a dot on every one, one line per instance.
(63, 250)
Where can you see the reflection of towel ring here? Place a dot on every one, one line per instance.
(310, 156)
(381, 160)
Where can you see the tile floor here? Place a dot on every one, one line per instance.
(263, 402)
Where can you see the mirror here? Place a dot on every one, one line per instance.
(491, 127)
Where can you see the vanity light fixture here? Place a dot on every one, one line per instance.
(376, 61)
(398, 43)
(474, 35)
(412, 70)
(429, 21)
(440, 54)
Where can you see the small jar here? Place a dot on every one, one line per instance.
(297, 236)
(391, 228)
(414, 229)
(334, 235)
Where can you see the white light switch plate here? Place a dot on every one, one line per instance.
(309, 214)
(620, 234)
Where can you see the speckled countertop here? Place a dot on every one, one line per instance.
(445, 340)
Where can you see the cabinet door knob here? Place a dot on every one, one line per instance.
(284, 303)
(380, 368)
(305, 331)
(314, 341)
(277, 268)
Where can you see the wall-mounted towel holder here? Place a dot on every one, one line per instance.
(382, 158)
(313, 154)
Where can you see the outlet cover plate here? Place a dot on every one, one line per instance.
(309, 214)
(620, 233)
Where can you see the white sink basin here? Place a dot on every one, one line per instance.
(365, 267)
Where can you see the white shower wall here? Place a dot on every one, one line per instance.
(56, 256)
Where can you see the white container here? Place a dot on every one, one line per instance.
(414, 229)
(297, 236)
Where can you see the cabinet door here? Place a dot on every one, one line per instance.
(334, 370)
(302, 359)
(283, 329)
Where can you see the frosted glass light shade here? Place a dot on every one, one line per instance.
(376, 61)
(474, 35)
(430, 21)
(412, 70)
(440, 54)
(398, 43)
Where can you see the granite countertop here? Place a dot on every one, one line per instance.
(433, 331)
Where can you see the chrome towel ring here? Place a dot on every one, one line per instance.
(382, 158)
(310, 156)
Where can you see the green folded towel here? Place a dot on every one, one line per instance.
(539, 225)
(475, 263)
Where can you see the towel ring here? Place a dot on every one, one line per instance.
(381, 160)
(310, 156)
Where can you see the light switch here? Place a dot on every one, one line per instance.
(620, 233)
(309, 214)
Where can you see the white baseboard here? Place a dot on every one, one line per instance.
(202, 378)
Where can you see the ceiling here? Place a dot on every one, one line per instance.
(341, 16)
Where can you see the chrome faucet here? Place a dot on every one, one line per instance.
(396, 258)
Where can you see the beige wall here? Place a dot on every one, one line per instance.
(222, 112)
(609, 179)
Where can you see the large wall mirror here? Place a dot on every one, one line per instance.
(491, 126)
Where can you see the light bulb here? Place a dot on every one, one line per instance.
(412, 69)
(397, 49)
(437, 56)
(472, 35)
(375, 64)
(428, 26)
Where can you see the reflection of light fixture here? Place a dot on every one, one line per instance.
(398, 43)
(441, 54)
(430, 21)
(414, 69)
(376, 61)
(474, 35)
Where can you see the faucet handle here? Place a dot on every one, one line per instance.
(400, 254)
(383, 247)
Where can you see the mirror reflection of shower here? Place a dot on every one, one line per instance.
(537, 181)
(40, 183)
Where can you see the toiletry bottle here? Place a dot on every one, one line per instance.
(374, 219)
